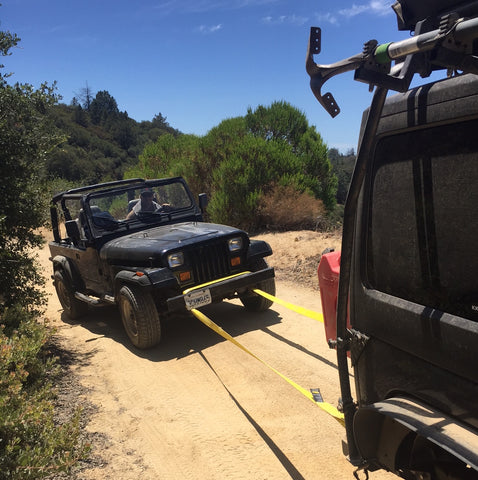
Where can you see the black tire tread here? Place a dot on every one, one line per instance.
(73, 307)
(146, 317)
(258, 303)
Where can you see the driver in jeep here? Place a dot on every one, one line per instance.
(145, 204)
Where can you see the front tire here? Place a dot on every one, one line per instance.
(73, 307)
(258, 303)
(140, 317)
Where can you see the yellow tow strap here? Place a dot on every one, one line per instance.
(327, 407)
(303, 311)
(212, 282)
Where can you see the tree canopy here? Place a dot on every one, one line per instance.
(245, 161)
(101, 142)
(27, 135)
(343, 167)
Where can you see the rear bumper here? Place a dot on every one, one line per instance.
(225, 288)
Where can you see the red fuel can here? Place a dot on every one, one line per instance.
(328, 272)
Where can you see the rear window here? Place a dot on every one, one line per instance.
(422, 223)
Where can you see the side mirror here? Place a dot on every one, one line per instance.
(202, 201)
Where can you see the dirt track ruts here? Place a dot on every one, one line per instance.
(198, 407)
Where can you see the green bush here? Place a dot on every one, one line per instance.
(32, 445)
(242, 160)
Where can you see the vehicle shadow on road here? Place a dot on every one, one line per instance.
(182, 334)
(301, 348)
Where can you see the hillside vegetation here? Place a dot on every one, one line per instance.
(268, 169)
(100, 142)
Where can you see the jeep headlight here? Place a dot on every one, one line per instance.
(235, 244)
(175, 259)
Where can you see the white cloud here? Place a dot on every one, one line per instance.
(201, 6)
(209, 29)
(376, 7)
(286, 19)
(327, 18)
(373, 7)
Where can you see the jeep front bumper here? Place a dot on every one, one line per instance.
(223, 288)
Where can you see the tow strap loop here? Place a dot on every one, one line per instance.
(295, 308)
(311, 395)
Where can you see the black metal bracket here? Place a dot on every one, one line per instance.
(452, 46)
(319, 74)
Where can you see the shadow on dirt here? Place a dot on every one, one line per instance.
(181, 334)
(301, 348)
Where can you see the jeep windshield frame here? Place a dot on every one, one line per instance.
(102, 211)
(114, 210)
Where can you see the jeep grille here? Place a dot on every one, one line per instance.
(210, 262)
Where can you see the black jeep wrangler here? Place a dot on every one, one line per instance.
(143, 245)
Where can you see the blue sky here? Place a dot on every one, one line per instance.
(198, 62)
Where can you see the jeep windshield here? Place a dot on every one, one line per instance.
(132, 207)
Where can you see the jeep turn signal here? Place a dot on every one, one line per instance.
(184, 276)
(235, 261)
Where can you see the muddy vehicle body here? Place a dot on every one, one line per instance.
(403, 306)
(152, 261)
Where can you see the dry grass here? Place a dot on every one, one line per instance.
(284, 208)
(296, 254)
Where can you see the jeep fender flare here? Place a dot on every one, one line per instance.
(150, 279)
(258, 249)
(64, 264)
(379, 443)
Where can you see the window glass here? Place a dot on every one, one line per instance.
(111, 210)
(423, 218)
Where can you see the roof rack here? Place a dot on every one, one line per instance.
(441, 42)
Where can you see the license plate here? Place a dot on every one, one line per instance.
(198, 298)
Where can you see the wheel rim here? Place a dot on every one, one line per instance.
(129, 318)
(63, 295)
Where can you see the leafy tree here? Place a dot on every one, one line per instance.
(168, 156)
(279, 121)
(122, 130)
(317, 169)
(103, 107)
(283, 122)
(80, 116)
(243, 179)
(32, 445)
(343, 166)
(244, 161)
(160, 122)
(26, 136)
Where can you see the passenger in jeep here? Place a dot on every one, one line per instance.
(145, 204)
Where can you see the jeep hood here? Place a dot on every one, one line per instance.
(146, 247)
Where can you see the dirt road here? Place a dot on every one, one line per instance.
(198, 407)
